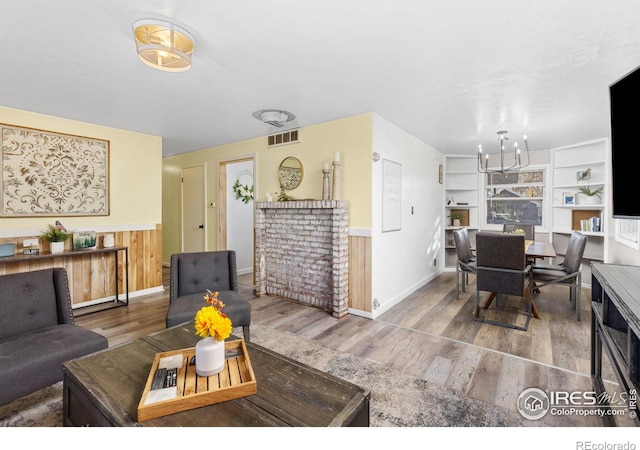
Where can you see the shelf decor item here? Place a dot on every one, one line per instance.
(84, 240)
(325, 182)
(589, 195)
(214, 327)
(461, 217)
(7, 250)
(108, 240)
(583, 175)
(568, 198)
(335, 191)
(56, 235)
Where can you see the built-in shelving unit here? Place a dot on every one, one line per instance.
(573, 167)
(461, 179)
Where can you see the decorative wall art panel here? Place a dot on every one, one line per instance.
(391, 195)
(52, 174)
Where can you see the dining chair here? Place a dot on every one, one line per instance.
(567, 273)
(529, 230)
(466, 263)
(501, 268)
(529, 233)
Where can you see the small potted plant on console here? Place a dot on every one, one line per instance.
(57, 236)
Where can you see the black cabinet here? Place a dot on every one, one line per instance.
(615, 328)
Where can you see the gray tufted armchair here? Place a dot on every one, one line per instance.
(190, 277)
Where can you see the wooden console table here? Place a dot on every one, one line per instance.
(615, 327)
(101, 250)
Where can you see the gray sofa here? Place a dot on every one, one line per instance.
(37, 332)
(192, 274)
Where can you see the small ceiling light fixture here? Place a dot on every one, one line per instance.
(276, 117)
(163, 45)
(517, 165)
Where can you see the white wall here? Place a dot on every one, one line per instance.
(240, 217)
(402, 261)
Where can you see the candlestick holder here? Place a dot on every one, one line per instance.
(325, 184)
(336, 180)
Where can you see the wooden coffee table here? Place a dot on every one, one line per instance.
(104, 389)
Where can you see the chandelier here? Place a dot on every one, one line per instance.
(483, 166)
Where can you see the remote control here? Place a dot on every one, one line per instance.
(158, 379)
(170, 379)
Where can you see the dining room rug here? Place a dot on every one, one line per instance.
(397, 400)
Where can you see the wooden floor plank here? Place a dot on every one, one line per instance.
(430, 335)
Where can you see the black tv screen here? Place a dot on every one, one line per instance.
(624, 100)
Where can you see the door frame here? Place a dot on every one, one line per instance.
(222, 197)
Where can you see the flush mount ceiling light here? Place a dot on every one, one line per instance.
(517, 164)
(275, 117)
(163, 45)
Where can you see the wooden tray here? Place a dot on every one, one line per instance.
(236, 380)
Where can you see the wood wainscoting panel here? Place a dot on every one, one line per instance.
(145, 258)
(92, 276)
(360, 273)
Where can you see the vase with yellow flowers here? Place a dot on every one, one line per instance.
(213, 326)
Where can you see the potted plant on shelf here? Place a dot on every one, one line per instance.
(57, 237)
(589, 195)
(455, 218)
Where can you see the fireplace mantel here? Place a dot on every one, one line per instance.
(302, 252)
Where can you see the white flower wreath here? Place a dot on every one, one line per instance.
(243, 192)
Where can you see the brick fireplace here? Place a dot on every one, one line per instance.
(302, 252)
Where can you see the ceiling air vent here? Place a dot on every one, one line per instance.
(284, 138)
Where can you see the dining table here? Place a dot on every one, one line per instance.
(539, 249)
(533, 250)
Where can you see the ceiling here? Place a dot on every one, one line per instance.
(450, 72)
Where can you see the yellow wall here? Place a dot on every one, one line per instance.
(135, 172)
(352, 137)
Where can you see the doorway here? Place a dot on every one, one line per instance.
(235, 215)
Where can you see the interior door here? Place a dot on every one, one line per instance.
(193, 209)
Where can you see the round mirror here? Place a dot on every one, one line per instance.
(290, 173)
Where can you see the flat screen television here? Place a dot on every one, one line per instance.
(624, 101)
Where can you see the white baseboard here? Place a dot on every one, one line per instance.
(122, 297)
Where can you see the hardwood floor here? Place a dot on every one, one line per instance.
(429, 335)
